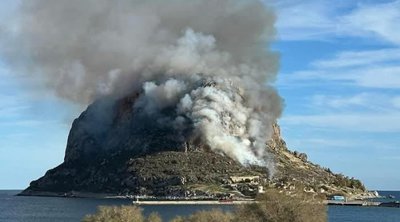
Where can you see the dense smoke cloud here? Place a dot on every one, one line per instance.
(165, 49)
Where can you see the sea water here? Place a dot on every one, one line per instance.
(42, 209)
(367, 214)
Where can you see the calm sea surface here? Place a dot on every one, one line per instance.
(34, 209)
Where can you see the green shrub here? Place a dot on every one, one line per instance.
(345, 181)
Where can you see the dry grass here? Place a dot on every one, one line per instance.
(214, 215)
(120, 214)
(274, 206)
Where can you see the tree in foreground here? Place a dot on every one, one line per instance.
(273, 206)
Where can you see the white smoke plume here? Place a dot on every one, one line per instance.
(88, 49)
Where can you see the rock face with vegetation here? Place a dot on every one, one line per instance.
(295, 172)
(112, 149)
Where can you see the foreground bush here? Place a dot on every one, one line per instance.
(271, 207)
(278, 207)
(121, 214)
(214, 215)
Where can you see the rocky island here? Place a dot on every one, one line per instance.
(113, 150)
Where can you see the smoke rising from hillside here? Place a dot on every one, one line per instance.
(88, 49)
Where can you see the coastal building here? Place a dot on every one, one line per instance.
(338, 198)
(246, 179)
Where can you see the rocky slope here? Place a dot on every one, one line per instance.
(295, 172)
(113, 149)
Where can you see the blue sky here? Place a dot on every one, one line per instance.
(339, 77)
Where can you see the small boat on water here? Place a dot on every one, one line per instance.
(390, 204)
(391, 197)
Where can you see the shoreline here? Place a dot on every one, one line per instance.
(193, 202)
(365, 201)
(142, 200)
(74, 194)
(79, 194)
